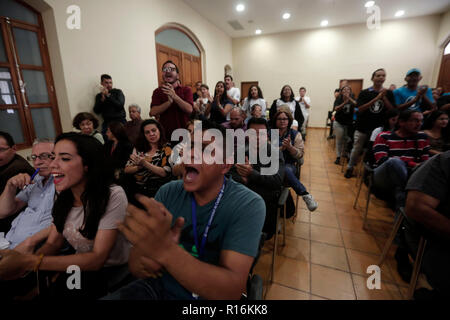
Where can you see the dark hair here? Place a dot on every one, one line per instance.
(142, 143)
(208, 124)
(228, 76)
(252, 108)
(405, 115)
(286, 111)
(257, 121)
(95, 196)
(291, 98)
(391, 113)
(302, 88)
(224, 96)
(204, 86)
(9, 139)
(429, 122)
(105, 76)
(373, 74)
(170, 61)
(260, 95)
(118, 131)
(79, 118)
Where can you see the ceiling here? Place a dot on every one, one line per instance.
(305, 14)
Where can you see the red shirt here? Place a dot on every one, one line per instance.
(173, 118)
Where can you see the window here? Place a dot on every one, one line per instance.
(28, 107)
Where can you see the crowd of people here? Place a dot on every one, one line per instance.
(142, 222)
(398, 130)
(122, 203)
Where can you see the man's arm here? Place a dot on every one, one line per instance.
(28, 245)
(9, 203)
(98, 107)
(422, 208)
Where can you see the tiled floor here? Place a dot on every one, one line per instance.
(327, 252)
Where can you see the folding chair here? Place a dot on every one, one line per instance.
(417, 260)
(369, 172)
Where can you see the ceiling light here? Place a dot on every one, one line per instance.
(240, 7)
(286, 15)
(324, 23)
(400, 13)
(258, 31)
(369, 4)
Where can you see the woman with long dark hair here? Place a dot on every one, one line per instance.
(291, 144)
(287, 98)
(118, 148)
(255, 96)
(221, 105)
(436, 129)
(85, 214)
(149, 162)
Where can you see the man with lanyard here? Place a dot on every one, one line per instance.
(172, 102)
(199, 235)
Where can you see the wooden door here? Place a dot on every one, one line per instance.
(444, 74)
(355, 84)
(244, 88)
(188, 65)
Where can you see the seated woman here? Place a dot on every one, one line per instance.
(149, 162)
(85, 214)
(291, 144)
(287, 99)
(87, 123)
(221, 105)
(435, 127)
(118, 148)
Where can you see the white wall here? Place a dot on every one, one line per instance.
(118, 37)
(319, 58)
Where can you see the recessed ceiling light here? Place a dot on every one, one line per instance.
(240, 7)
(324, 23)
(400, 13)
(258, 31)
(286, 15)
(369, 4)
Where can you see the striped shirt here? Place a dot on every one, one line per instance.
(412, 150)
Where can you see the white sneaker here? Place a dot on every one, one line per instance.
(310, 202)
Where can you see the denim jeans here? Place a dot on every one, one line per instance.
(392, 175)
(292, 180)
(142, 289)
(360, 139)
(341, 132)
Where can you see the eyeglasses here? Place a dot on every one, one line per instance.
(42, 156)
(169, 69)
(282, 119)
(4, 149)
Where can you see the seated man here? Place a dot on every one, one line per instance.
(203, 231)
(11, 164)
(267, 186)
(398, 152)
(237, 119)
(428, 203)
(31, 226)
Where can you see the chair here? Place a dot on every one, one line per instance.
(254, 281)
(281, 208)
(329, 123)
(417, 260)
(369, 172)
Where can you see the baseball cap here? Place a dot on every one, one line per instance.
(413, 70)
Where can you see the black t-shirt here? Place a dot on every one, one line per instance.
(373, 117)
(345, 115)
(443, 100)
(433, 179)
(216, 116)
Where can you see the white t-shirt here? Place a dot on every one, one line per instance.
(291, 105)
(247, 106)
(305, 111)
(235, 93)
(375, 133)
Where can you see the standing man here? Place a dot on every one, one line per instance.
(109, 103)
(172, 102)
(414, 97)
(234, 94)
(133, 126)
(305, 105)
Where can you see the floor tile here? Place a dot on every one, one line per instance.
(295, 248)
(359, 261)
(360, 241)
(292, 273)
(324, 219)
(329, 256)
(299, 229)
(387, 291)
(279, 292)
(326, 235)
(331, 283)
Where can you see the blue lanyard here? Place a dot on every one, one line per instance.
(211, 217)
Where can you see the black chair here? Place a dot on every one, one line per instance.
(368, 173)
(329, 123)
(255, 286)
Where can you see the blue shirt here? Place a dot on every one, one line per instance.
(403, 95)
(37, 215)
